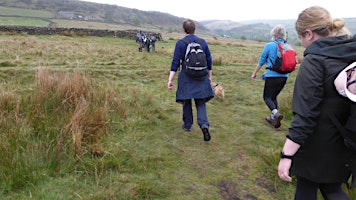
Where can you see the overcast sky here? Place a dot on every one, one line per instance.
(236, 10)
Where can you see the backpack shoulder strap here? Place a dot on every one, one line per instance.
(185, 40)
(344, 135)
(199, 41)
(279, 45)
(338, 125)
(341, 129)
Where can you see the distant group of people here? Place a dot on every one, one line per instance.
(314, 149)
(146, 41)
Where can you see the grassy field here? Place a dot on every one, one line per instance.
(25, 12)
(92, 118)
(38, 18)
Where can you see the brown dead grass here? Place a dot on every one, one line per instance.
(75, 91)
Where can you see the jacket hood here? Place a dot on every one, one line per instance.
(334, 47)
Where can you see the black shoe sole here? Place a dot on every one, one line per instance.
(206, 134)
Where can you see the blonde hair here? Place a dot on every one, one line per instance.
(344, 32)
(278, 32)
(318, 20)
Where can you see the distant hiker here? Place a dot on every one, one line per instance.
(189, 87)
(139, 40)
(147, 43)
(274, 81)
(153, 42)
(315, 150)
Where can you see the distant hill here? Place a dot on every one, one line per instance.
(56, 10)
(259, 30)
(112, 14)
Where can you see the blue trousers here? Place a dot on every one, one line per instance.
(202, 116)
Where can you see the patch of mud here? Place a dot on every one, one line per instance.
(263, 184)
(227, 190)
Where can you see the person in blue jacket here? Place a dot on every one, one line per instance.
(274, 81)
(192, 88)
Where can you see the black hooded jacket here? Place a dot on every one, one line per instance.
(323, 156)
(334, 47)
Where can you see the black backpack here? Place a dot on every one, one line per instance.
(195, 63)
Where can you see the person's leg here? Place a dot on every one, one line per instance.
(306, 190)
(272, 87)
(202, 118)
(268, 91)
(140, 46)
(333, 191)
(278, 85)
(147, 46)
(187, 115)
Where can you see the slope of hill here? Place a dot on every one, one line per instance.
(259, 30)
(111, 16)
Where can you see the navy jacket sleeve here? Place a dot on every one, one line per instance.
(178, 55)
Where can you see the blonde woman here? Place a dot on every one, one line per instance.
(314, 150)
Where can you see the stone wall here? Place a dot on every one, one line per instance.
(129, 34)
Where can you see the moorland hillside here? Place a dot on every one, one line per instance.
(54, 12)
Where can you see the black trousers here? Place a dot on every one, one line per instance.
(307, 190)
(273, 86)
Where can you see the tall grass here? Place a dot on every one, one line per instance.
(37, 127)
(91, 118)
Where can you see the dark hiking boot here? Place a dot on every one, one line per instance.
(276, 120)
(269, 119)
(206, 134)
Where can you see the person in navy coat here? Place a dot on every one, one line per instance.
(190, 88)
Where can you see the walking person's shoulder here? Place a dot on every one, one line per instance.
(270, 45)
(194, 38)
(183, 42)
(201, 40)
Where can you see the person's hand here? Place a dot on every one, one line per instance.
(253, 76)
(170, 85)
(283, 169)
